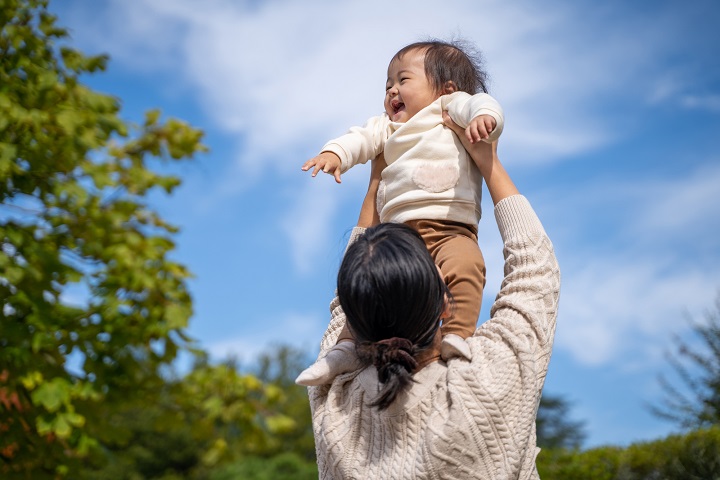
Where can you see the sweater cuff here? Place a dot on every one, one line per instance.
(338, 150)
(356, 233)
(516, 218)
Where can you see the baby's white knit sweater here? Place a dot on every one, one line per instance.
(461, 420)
(429, 175)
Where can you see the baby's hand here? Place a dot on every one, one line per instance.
(480, 128)
(328, 162)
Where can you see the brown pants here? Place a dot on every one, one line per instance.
(454, 248)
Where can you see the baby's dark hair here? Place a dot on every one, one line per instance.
(455, 60)
(393, 297)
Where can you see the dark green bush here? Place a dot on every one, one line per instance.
(286, 466)
(693, 456)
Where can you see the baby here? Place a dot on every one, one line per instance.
(430, 182)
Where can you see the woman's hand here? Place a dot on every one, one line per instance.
(485, 156)
(481, 152)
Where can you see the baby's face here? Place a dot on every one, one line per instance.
(408, 90)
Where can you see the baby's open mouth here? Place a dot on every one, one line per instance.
(397, 106)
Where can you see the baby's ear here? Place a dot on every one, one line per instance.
(449, 87)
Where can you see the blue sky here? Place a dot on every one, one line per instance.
(612, 128)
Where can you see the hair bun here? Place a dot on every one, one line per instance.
(395, 350)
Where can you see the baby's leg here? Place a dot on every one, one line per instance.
(455, 250)
(463, 267)
(340, 359)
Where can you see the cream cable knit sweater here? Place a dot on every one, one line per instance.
(461, 420)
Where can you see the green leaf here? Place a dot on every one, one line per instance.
(74, 419)
(31, 380)
(61, 427)
(214, 453)
(52, 395)
(176, 315)
(43, 426)
(37, 341)
(279, 424)
(152, 117)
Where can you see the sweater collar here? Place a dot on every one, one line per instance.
(425, 379)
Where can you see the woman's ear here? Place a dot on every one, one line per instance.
(449, 87)
(447, 309)
(447, 304)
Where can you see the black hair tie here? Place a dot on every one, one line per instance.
(386, 352)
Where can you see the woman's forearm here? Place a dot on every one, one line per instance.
(368, 211)
(498, 182)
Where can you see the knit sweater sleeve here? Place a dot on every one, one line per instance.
(360, 144)
(528, 299)
(524, 312)
(337, 316)
(511, 351)
(463, 108)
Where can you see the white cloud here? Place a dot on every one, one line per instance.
(624, 302)
(286, 75)
(684, 90)
(621, 308)
(292, 328)
(684, 206)
(710, 102)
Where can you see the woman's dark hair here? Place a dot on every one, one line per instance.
(393, 296)
(456, 60)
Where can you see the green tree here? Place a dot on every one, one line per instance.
(202, 422)
(74, 180)
(279, 367)
(694, 400)
(555, 428)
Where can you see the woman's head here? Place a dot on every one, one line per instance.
(393, 298)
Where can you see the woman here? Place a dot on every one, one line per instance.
(408, 415)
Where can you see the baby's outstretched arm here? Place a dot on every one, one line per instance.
(328, 162)
(480, 128)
